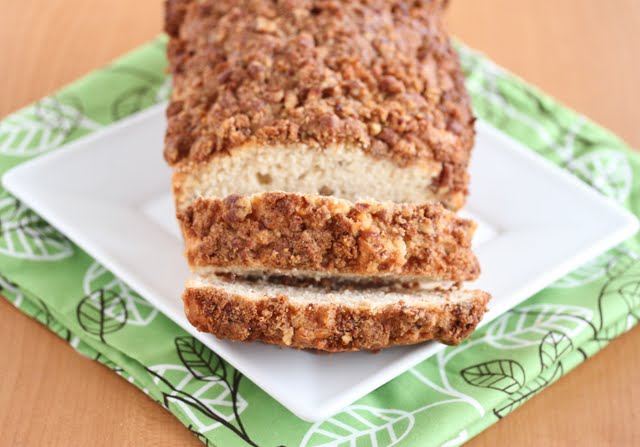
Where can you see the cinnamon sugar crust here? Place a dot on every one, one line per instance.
(316, 236)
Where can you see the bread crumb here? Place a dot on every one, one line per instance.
(287, 336)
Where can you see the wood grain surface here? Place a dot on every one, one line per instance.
(584, 52)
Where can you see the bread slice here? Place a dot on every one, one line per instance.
(315, 236)
(353, 99)
(342, 319)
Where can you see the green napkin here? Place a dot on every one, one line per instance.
(445, 400)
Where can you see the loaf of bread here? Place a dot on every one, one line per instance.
(319, 151)
(314, 236)
(338, 318)
(353, 99)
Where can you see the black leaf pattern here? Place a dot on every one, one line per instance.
(502, 375)
(584, 353)
(508, 376)
(200, 436)
(201, 362)
(622, 286)
(612, 331)
(630, 293)
(102, 312)
(553, 346)
(527, 391)
(619, 265)
(204, 364)
(7, 286)
(179, 395)
(44, 316)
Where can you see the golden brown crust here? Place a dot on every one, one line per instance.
(379, 74)
(330, 327)
(312, 234)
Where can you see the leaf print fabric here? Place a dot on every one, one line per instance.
(41, 127)
(524, 327)
(607, 170)
(444, 400)
(360, 423)
(102, 312)
(138, 311)
(502, 375)
(10, 291)
(24, 235)
(198, 398)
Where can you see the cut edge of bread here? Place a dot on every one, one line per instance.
(314, 317)
(342, 171)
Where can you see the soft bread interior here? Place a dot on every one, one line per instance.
(342, 171)
(423, 295)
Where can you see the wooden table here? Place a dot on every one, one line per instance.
(584, 52)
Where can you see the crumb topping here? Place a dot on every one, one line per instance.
(276, 231)
(378, 74)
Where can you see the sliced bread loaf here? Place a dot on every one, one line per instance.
(353, 99)
(316, 236)
(278, 105)
(343, 318)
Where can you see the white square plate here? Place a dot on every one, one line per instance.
(110, 193)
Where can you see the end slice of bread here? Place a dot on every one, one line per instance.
(316, 236)
(341, 318)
